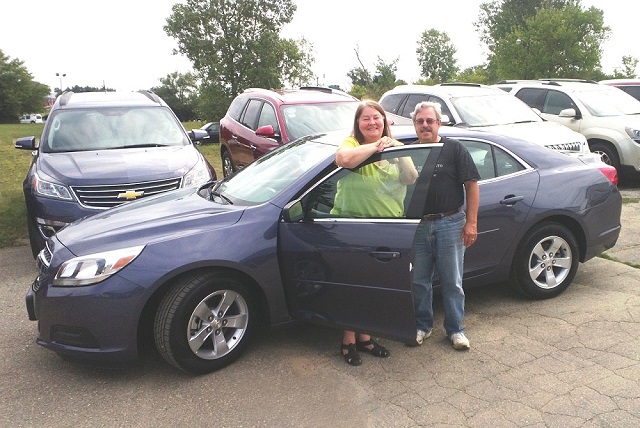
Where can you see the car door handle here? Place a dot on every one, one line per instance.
(385, 255)
(511, 200)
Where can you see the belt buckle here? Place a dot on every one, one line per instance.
(430, 217)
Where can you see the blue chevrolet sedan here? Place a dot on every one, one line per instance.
(201, 271)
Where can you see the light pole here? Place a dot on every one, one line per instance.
(61, 75)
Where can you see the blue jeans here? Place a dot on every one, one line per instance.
(438, 246)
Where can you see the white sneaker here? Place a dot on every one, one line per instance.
(460, 341)
(421, 335)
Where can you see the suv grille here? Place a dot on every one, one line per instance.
(567, 147)
(112, 195)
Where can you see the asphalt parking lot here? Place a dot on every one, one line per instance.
(572, 361)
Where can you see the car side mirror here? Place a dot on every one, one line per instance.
(197, 134)
(568, 112)
(293, 212)
(266, 131)
(26, 143)
(444, 119)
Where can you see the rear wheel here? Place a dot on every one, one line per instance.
(546, 261)
(205, 322)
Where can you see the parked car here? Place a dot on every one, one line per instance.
(213, 132)
(31, 118)
(260, 120)
(475, 106)
(608, 117)
(630, 86)
(202, 271)
(101, 149)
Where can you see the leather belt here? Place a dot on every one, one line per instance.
(438, 216)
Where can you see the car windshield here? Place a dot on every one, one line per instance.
(489, 110)
(305, 119)
(112, 128)
(609, 103)
(272, 173)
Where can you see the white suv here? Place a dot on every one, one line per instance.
(31, 118)
(608, 117)
(482, 107)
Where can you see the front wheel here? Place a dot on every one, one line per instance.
(546, 261)
(607, 153)
(227, 164)
(205, 322)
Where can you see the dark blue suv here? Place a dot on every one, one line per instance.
(101, 149)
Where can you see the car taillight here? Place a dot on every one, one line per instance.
(610, 172)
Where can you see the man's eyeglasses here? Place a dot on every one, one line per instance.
(429, 121)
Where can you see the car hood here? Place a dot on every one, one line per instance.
(543, 133)
(154, 219)
(117, 165)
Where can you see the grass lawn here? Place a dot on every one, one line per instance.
(14, 165)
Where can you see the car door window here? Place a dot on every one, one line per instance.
(557, 101)
(391, 103)
(490, 160)
(250, 117)
(534, 98)
(412, 101)
(325, 201)
(268, 117)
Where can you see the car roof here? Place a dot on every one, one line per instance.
(620, 82)
(71, 100)
(451, 89)
(568, 85)
(303, 95)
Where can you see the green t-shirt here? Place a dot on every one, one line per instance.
(370, 191)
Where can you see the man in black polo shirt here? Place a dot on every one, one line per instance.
(445, 230)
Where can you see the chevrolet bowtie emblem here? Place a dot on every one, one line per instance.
(130, 194)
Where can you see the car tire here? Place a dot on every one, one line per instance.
(188, 341)
(227, 164)
(608, 154)
(539, 273)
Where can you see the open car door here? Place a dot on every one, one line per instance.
(352, 272)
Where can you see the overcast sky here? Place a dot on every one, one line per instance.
(121, 43)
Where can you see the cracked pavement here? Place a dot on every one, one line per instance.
(571, 361)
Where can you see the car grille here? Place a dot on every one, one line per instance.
(567, 147)
(112, 195)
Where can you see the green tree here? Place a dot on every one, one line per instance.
(180, 92)
(19, 93)
(235, 44)
(530, 39)
(628, 70)
(436, 56)
(367, 86)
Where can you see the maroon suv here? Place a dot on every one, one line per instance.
(259, 120)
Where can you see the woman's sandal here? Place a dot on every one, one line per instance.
(351, 356)
(376, 350)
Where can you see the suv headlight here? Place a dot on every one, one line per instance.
(633, 133)
(52, 190)
(93, 268)
(198, 175)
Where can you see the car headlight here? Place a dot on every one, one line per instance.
(52, 190)
(198, 175)
(93, 268)
(633, 133)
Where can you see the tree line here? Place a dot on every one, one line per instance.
(236, 44)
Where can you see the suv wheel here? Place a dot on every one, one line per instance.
(607, 153)
(227, 164)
